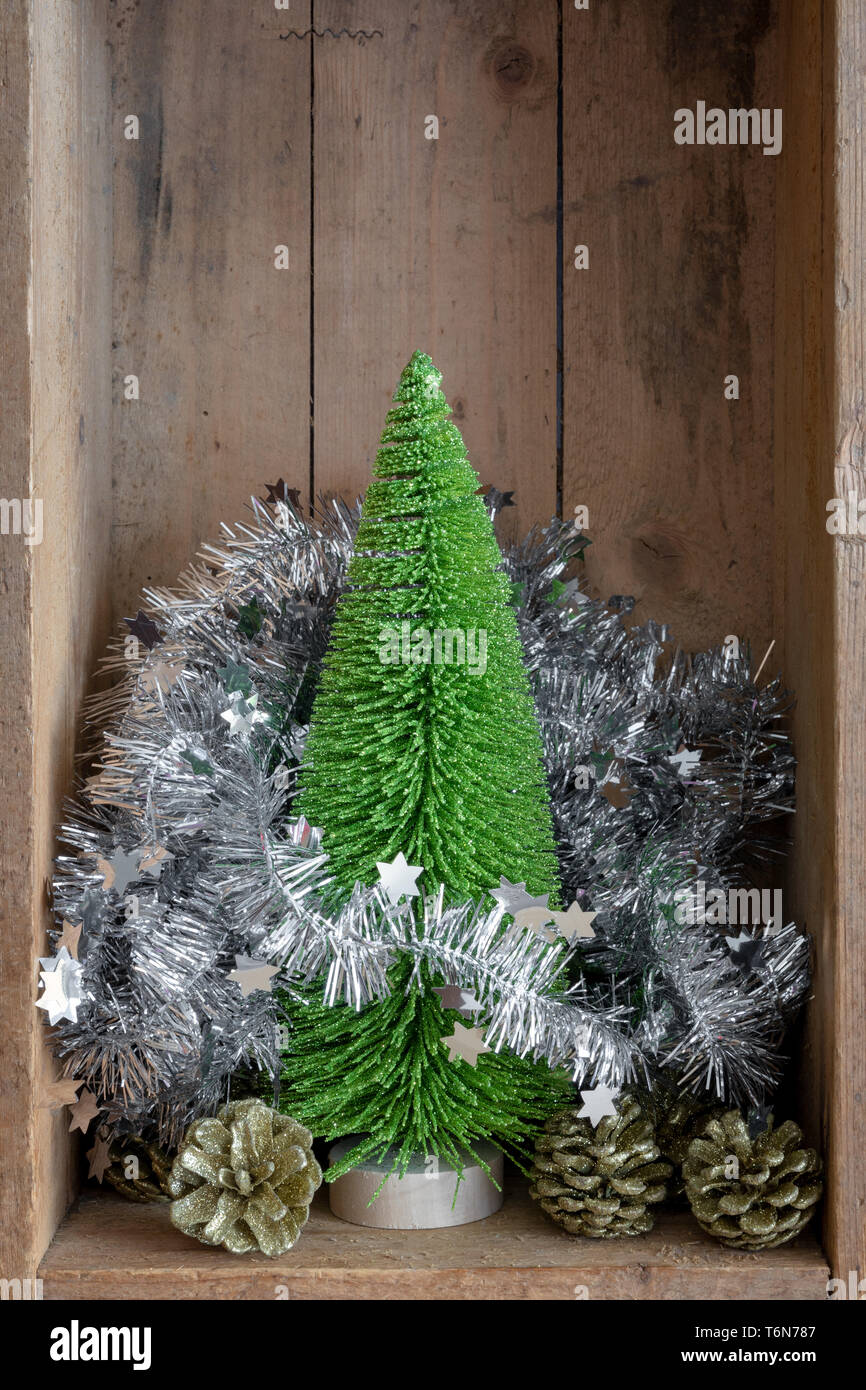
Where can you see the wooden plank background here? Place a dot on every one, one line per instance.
(397, 241)
(678, 294)
(445, 245)
(218, 338)
(448, 245)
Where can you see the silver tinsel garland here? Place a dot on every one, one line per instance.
(197, 748)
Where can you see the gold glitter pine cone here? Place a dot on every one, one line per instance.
(774, 1193)
(679, 1120)
(244, 1179)
(601, 1181)
(139, 1170)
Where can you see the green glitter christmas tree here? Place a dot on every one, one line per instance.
(423, 740)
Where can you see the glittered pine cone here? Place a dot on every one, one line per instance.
(600, 1181)
(244, 1179)
(139, 1170)
(679, 1120)
(751, 1194)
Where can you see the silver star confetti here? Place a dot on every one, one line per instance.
(598, 1102)
(514, 897)
(533, 917)
(61, 980)
(685, 760)
(83, 1111)
(302, 833)
(467, 1043)
(398, 878)
(253, 974)
(120, 870)
(747, 951)
(162, 675)
(453, 997)
(298, 741)
(758, 1119)
(575, 922)
(243, 714)
(281, 777)
(153, 859)
(69, 938)
(99, 1157)
(59, 1093)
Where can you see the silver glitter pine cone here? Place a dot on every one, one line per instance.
(600, 1181)
(244, 1179)
(751, 1194)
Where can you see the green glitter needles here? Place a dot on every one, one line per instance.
(423, 739)
(423, 735)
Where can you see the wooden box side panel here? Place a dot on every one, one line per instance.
(70, 459)
(844, 1014)
(57, 451)
(820, 581)
(16, 696)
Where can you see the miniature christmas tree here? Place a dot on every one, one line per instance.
(423, 741)
(423, 737)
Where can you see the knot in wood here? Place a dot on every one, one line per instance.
(512, 68)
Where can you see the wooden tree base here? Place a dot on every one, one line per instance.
(427, 1196)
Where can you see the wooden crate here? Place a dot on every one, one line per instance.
(601, 387)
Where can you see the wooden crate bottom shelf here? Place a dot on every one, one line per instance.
(108, 1248)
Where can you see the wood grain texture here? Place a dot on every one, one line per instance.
(804, 580)
(445, 245)
(218, 337)
(678, 295)
(54, 612)
(17, 1079)
(845, 1015)
(111, 1249)
(70, 458)
(820, 358)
